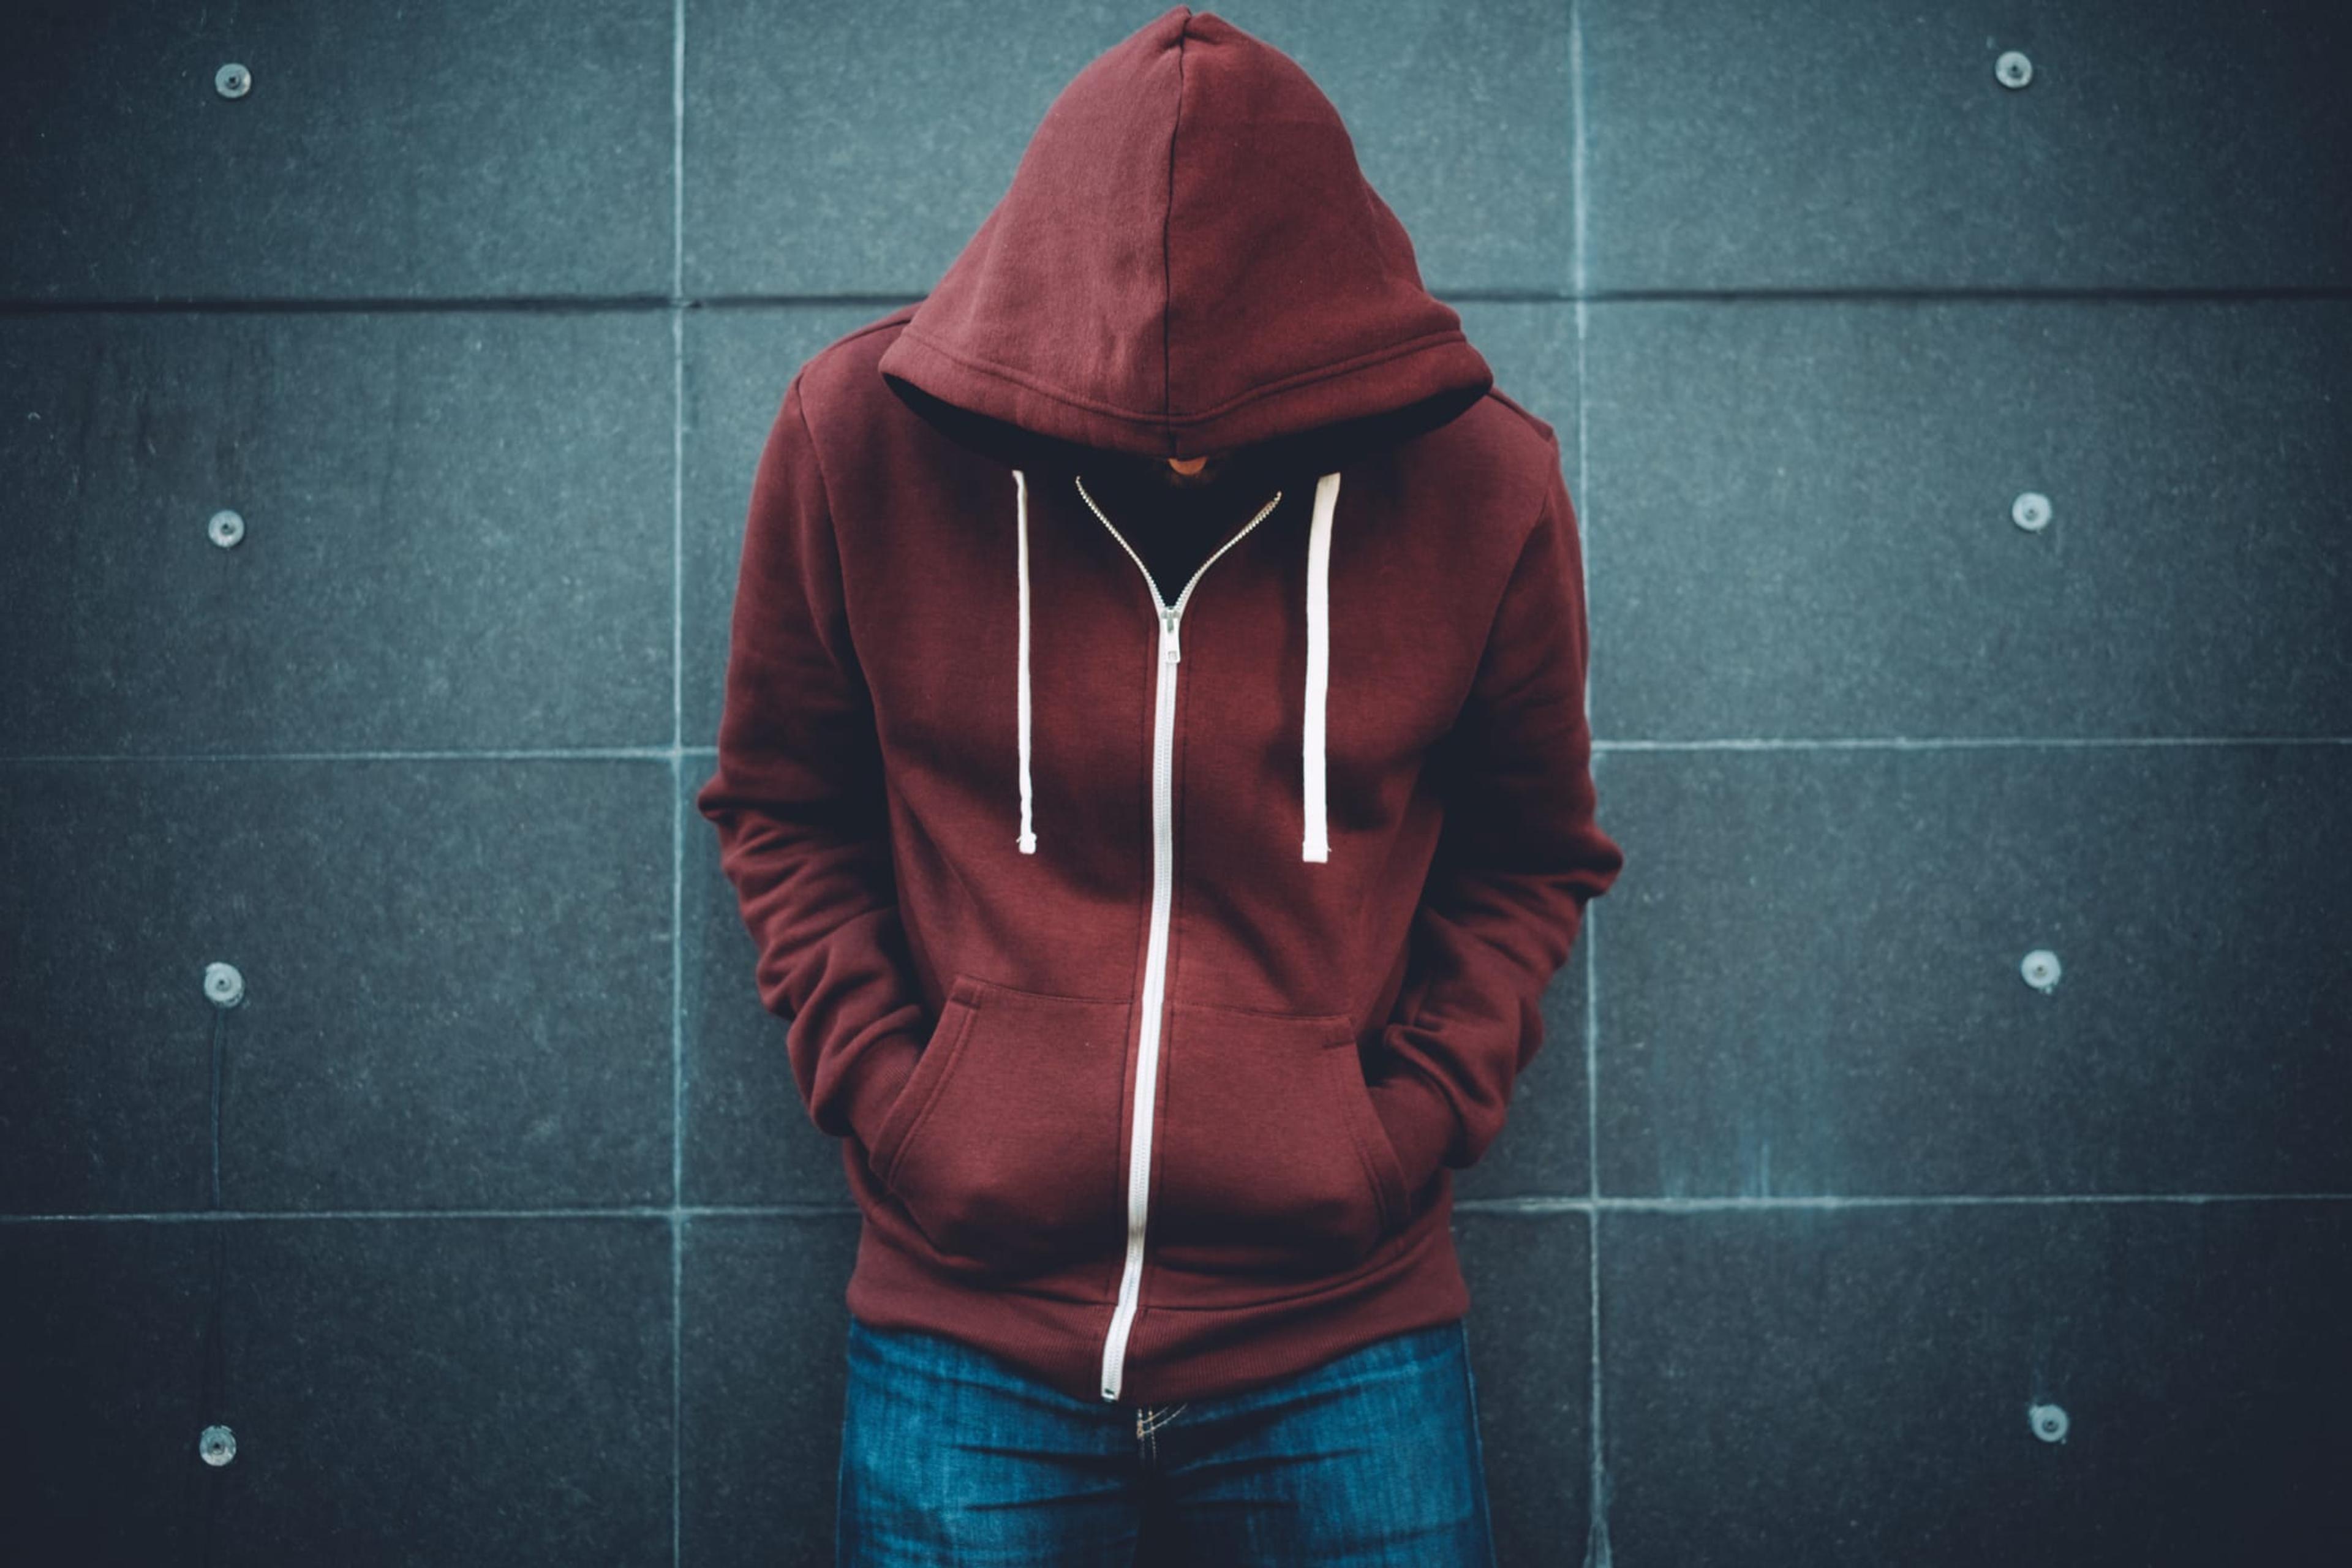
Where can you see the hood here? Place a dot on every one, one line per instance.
(1188, 262)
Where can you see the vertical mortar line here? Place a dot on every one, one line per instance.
(1597, 1531)
(220, 1027)
(677, 778)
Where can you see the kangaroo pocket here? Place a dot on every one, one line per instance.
(1003, 1144)
(1273, 1162)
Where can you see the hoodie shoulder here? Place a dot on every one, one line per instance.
(1542, 429)
(843, 369)
(842, 393)
(1498, 459)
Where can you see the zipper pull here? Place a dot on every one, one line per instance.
(1167, 648)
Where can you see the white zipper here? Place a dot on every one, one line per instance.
(1155, 958)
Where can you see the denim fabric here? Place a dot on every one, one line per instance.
(950, 1455)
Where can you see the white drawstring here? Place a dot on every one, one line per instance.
(1317, 845)
(1021, 500)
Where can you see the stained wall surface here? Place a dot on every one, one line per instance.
(1939, 1153)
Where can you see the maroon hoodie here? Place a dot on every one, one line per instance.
(1159, 949)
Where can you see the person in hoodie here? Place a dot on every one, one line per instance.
(1155, 774)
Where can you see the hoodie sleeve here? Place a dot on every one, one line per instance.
(799, 802)
(1519, 858)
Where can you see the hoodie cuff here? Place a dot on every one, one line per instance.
(883, 1069)
(1418, 1119)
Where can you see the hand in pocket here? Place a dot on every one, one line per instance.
(1004, 1144)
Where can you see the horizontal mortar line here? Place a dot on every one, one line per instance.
(1922, 1200)
(2123, 294)
(1536, 1206)
(1958, 743)
(362, 304)
(663, 753)
(655, 754)
(353, 304)
(661, 1212)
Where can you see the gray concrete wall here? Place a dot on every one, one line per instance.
(490, 1223)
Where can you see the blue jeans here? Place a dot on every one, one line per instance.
(950, 1455)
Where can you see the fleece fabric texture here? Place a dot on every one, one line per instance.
(1159, 1106)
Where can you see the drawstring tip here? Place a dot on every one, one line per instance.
(1028, 843)
(1317, 844)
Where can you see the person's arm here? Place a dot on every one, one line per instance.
(1519, 855)
(799, 802)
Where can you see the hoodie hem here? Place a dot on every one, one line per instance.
(1176, 1351)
